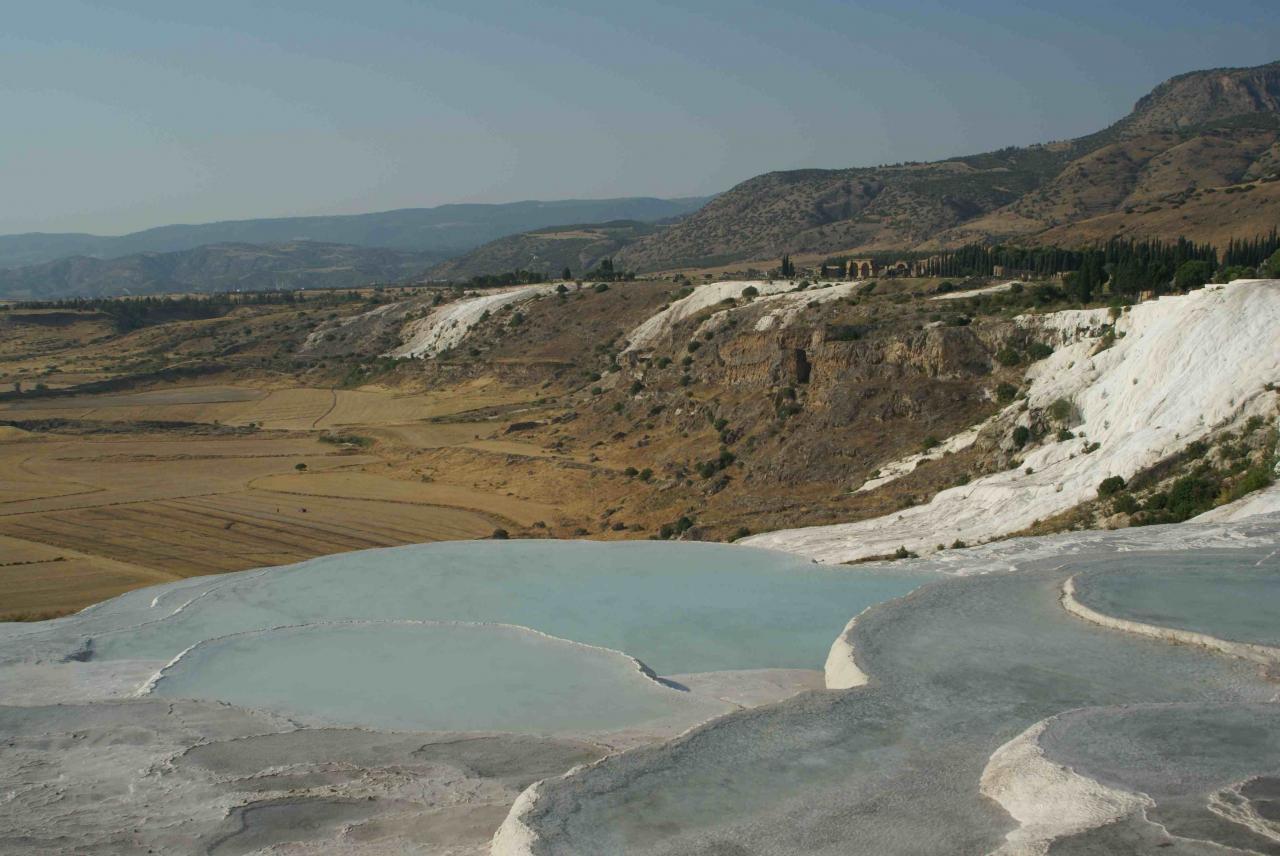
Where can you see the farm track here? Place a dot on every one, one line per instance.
(333, 403)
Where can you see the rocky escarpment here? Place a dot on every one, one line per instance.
(1199, 97)
(824, 358)
(797, 398)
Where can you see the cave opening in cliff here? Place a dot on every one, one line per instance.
(802, 366)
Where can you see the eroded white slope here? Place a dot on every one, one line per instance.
(448, 325)
(778, 311)
(654, 328)
(782, 309)
(974, 292)
(1179, 367)
(895, 470)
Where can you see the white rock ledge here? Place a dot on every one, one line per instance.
(1048, 800)
(841, 671)
(1262, 654)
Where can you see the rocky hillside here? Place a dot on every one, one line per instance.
(218, 267)
(579, 248)
(1205, 131)
(762, 412)
(1202, 97)
(766, 405)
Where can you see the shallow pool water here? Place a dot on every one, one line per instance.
(453, 677)
(957, 669)
(1230, 595)
(356, 638)
(677, 607)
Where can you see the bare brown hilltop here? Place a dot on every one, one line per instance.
(1169, 168)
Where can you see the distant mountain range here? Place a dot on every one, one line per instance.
(444, 230)
(579, 248)
(1199, 156)
(215, 267)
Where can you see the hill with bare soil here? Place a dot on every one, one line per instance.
(1202, 131)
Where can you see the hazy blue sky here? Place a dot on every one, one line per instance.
(123, 115)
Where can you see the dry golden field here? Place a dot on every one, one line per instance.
(114, 501)
(149, 476)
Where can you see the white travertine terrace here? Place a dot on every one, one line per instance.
(660, 324)
(449, 324)
(1262, 654)
(1179, 367)
(1048, 800)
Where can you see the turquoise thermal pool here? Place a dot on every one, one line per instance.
(283, 638)
(399, 676)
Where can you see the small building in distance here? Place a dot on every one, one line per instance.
(1007, 272)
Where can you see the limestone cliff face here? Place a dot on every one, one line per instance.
(827, 402)
(819, 358)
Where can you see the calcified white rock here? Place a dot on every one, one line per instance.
(656, 326)
(1179, 367)
(1263, 654)
(1231, 806)
(448, 325)
(973, 292)
(514, 837)
(1048, 800)
(899, 468)
(33, 684)
(841, 671)
(1068, 326)
(783, 308)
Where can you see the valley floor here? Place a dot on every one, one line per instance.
(101, 495)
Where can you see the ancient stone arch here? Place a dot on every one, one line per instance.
(862, 268)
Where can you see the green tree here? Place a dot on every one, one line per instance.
(1227, 274)
(1270, 269)
(1110, 486)
(1192, 274)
